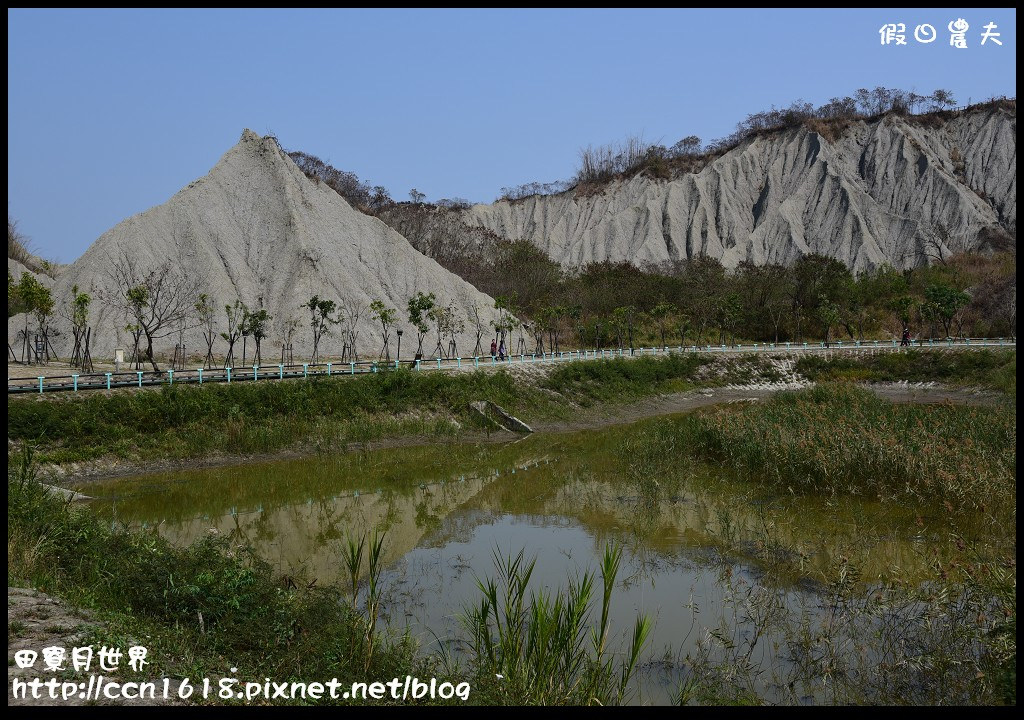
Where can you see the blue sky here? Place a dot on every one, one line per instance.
(111, 112)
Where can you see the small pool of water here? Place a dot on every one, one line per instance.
(697, 546)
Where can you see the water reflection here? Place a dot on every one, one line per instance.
(447, 509)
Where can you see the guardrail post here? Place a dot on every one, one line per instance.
(418, 364)
(200, 375)
(439, 363)
(476, 362)
(40, 384)
(280, 371)
(139, 373)
(305, 370)
(329, 368)
(255, 373)
(74, 379)
(108, 380)
(352, 368)
(458, 362)
(170, 377)
(229, 375)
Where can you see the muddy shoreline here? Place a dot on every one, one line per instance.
(79, 475)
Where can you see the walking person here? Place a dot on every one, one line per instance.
(905, 341)
(501, 350)
(494, 348)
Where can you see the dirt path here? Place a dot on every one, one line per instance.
(36, 621)
(692, 400)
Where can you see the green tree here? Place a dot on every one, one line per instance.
(259, 322)
(660, 313)
(386, 317)
(944, 303)
(321, 311)
(816, 278)
(729, 316)
(828, 313)
(35, 300)
(420, 308)
(78, 315)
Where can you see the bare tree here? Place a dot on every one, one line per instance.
(478, 327)
(204, 313)
(287, 329)
(158, 302)
(936, 245)
(349, 313)
(236, 317)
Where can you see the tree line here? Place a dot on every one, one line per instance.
(698, 301)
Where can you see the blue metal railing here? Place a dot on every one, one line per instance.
(263, 373)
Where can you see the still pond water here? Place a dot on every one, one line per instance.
(695, 545)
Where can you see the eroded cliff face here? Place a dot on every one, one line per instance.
(893, 190)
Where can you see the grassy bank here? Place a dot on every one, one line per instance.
(948, 640)
(991, 369)
(215, 605)
(201, 609)
(837, 439)
(192, 421)
(188, 421)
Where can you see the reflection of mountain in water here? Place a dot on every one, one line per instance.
(301, 529)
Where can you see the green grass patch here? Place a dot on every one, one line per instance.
(839, 439)
(201, 609)
(608, 379)
(191, 421)
(992, 369)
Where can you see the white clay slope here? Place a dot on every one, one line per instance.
(256, 227)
